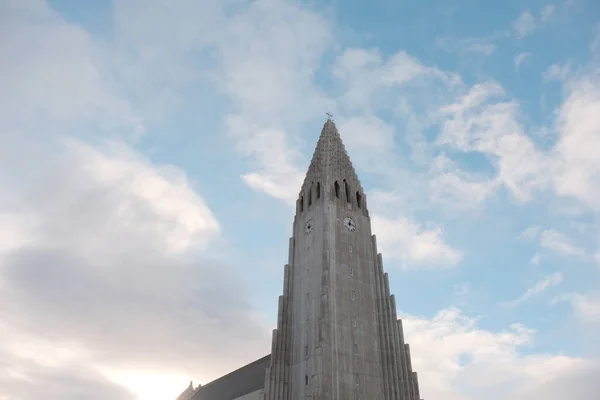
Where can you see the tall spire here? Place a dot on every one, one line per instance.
(330, 160)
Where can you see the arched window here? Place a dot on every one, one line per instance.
(336, 185)
(347, 190)
(309, 196)
(318, 190)
(301, 203)
(358, 199)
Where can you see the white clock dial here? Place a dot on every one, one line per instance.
(349, 224)
(308, 227)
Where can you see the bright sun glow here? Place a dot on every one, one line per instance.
(148, 385)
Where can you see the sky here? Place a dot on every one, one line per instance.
(151, 152)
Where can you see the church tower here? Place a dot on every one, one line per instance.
(338, 336)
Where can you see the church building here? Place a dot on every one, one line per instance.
(338, 336)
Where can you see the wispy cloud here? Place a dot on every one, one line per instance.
(520, 59)
(537, 289)
(559, 243)
(524, 25)
(547, 12)
(585, 306)
(557, 72)
(466, 46)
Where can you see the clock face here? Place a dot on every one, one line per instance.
(308, 227)
(349, 224)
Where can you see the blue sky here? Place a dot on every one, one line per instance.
(151, 153)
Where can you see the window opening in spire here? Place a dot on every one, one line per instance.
(347, 190)
(336, 185)
(309, 197)
(301, 203)
(318, 190)
(358, 199)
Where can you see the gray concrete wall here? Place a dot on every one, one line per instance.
(250, 396)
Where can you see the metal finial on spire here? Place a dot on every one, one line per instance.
(329, 116)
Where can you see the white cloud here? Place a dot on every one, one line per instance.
(520, 59)
(278, 176)
(547, 12)
(368, 77)
(413, 245)
(537, 289)
(585, 306)
(288, 42)
(557, 72)
(467, 46)
(530, 233)
(51, 75)
(455, 188)
(94, 234)
(524, 25)
(478, 123)
(370, 143)
(456, 359)
(557, 242)
(578, 169)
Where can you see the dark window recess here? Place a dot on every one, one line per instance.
(306, 350)
(358, 199)
(355, 348)
(309, 197)
(347, 189)
(301, 203)
(336, 186)
(306, 379)
(318, 190)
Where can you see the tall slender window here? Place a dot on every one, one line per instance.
(353, 295)
(301, 203)
(358, 199)
(309, 197)
(318, 190)
(347, 190)
(336, 186)
(354, 321)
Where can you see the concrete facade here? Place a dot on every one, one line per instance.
(338, 335)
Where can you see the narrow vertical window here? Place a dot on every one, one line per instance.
(309, 197)
(355, 348)
(306, 351)
(336, 186)
(301, 203)
(353, 295)
(318, 190)
(350, 248)
(354, 321)
(347, 190)
(306, 379)
(351, 271)
(358, 199)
